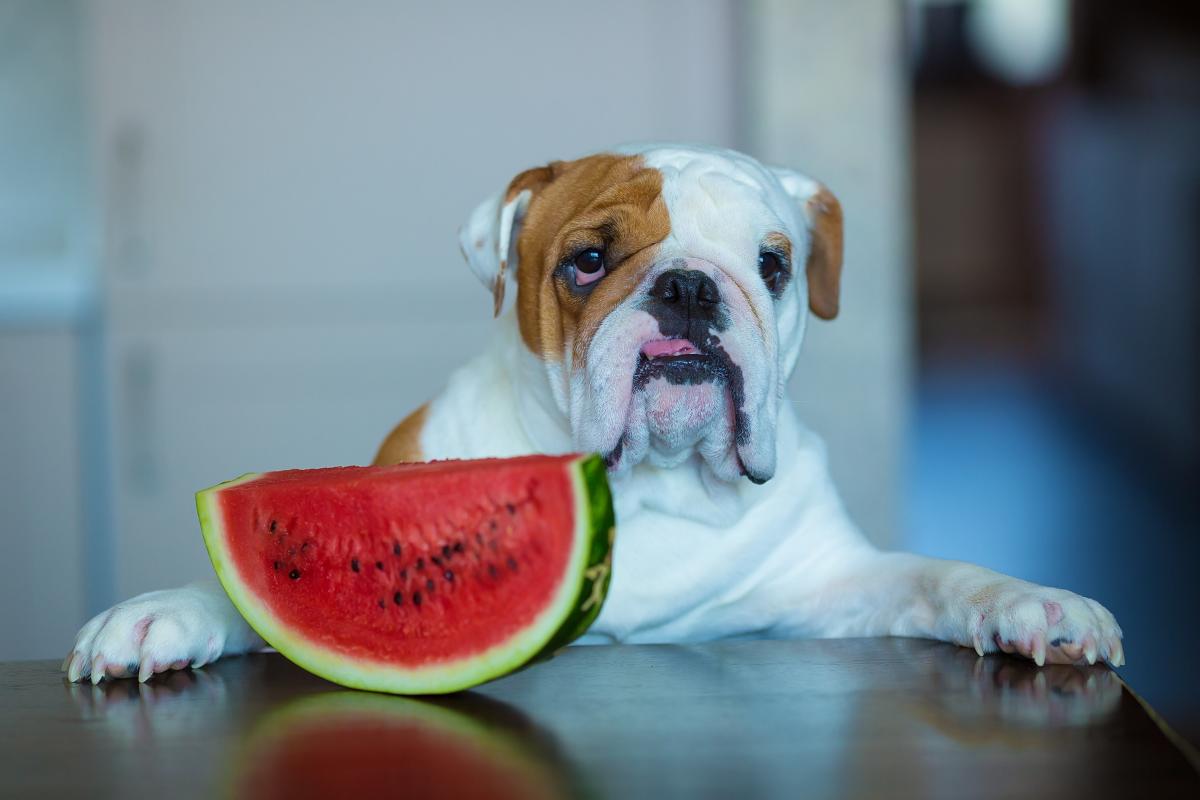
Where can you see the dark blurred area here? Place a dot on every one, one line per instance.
(1056, 178)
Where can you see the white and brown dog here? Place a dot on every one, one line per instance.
(661, 294)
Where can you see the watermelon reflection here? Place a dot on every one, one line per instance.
(341, 744)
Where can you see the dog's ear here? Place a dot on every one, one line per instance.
(822, 214)
(489, 238)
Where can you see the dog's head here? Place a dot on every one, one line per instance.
(665, 289)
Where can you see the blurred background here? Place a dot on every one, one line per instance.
(227, 243)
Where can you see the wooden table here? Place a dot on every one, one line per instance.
(835, 718)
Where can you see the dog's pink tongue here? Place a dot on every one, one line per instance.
(669, 347)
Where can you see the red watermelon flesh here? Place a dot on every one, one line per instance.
(415, 578)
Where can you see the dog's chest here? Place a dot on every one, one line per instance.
(676, 579)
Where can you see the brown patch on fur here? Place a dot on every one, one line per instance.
(608, 201)
(824, 267)
(403, 444)
(779, 242)
(533, 179)
(498, 288)
(985, 596)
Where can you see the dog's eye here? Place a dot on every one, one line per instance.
(589, 266)
(773, 270)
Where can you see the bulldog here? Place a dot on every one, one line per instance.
(657, 297)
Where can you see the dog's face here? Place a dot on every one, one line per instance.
(665, 290)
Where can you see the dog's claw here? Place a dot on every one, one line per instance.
(67, 661)
(1038, 649)
(1089, 649)
(1117, 657)
(97, 671)
(975, 640)
(75, 667)
(145, 670)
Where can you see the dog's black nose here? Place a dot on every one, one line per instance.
(688, 292)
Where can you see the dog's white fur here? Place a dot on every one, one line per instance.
(701, 552)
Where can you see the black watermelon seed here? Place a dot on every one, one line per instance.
(512, 563)
(354, 564)
(492, 570)
(396, 549)
(446, 551)
(420, 563)
(436, 560)
(403, 574)
(511, 508)
(294, 574)
(272, 526)
(277, 565)
(429, 584)
(382, 604)
(398, 598)
(458, 547)
(378, 565)
(448, 575)
(416, 598)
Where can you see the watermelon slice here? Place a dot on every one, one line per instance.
(415, 578)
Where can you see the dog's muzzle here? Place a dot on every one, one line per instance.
(696, 370)
(686, 303)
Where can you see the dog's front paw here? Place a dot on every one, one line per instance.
(1044, 624)
(151, 633)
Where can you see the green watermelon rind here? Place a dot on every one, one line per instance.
(564, 620)
(599, 559)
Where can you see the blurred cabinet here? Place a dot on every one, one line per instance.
(1121, 197)
(282, 183)
(45, 290)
